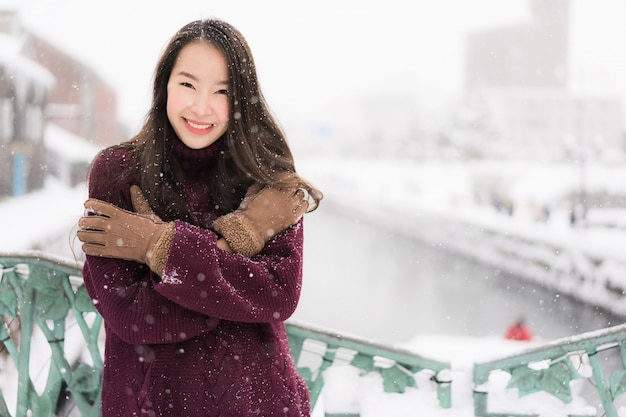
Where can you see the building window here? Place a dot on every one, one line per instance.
(7, 120)
(33, 122)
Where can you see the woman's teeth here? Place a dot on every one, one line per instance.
(197, 126)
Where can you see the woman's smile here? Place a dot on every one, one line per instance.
(199, 128)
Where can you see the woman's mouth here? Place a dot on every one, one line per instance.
(199, 127)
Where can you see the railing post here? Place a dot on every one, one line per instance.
(444, 382)
(481, 397)
(26, 314)
(318, 383)
(598, 376)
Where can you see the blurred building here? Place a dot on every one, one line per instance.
(551, 124)
(81, 102)
(532, 53)
(518, 102)
(40, 84)
(24, 90)
(397, 135)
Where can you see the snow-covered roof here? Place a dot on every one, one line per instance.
(71, 147)
(12, 58)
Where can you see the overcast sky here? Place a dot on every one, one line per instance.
(311, 53)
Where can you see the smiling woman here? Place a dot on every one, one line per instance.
(193, 241)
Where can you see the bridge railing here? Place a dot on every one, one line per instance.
(49, 337)
(56, 359)
(47, 296)
(580, 376)
(315, 350)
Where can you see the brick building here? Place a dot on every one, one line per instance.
(81, 102)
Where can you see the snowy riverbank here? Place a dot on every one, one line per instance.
(437, 202)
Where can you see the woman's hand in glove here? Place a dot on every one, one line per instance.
(111, 232)
(262, 214)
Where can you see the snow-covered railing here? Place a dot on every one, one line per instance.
(55, 360)
(54, 355)
(49, 334)
(583, 375)
(316, 350)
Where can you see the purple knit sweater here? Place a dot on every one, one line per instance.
(207, 338)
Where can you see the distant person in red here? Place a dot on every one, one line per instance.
(518, 331)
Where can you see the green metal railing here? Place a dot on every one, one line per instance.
(47, 297)
(597, 359)
(397, 373)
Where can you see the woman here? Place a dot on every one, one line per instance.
(194, 243)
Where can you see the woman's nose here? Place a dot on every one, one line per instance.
(202, 104)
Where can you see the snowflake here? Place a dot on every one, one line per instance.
(171, 278)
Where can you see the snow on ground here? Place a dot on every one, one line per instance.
(43, 218)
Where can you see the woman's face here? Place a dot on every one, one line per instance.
(198, 95)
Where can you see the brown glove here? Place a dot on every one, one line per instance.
(262, 214)
(112, 232)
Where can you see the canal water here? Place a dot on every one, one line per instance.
(362, 279)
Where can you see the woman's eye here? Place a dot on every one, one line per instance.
(186, 84)
(223, 92)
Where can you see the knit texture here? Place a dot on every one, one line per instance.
(206, 338)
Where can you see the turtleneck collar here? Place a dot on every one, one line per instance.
(195, 159)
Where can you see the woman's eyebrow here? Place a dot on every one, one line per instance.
(194, 78)
(188, 75)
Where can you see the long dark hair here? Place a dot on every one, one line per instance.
(253, 149)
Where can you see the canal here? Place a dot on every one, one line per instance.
(362, 279)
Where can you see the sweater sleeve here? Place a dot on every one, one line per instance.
(123, 291)
(200, 283)
(203, 278)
